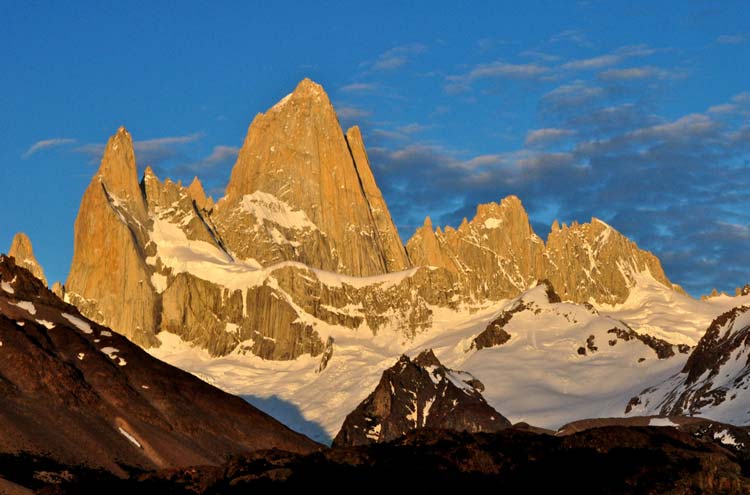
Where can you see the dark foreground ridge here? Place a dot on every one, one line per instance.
(79, 393)
(610, 459)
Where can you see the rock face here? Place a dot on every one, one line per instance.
(497, 255)
(715, 380)
(109, 279)
(419, 394)
(23, 252)
(83, 394)
(299, 179)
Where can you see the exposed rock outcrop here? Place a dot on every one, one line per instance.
(23, 252)
(419, 393)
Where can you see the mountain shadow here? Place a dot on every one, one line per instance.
(290, 415)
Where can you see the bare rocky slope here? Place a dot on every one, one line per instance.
(304, 237)
(83, 395)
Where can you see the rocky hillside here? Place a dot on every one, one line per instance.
(303, 246)
(82, 394)
(419, 393)
(714, 382)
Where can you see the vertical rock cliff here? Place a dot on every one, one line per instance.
(109, 279)
(301, 191)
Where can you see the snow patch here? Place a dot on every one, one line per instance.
(7, 287)
(26, 306)
(80, 324)
(267, 207)
(47, 324)
(492, 223)
(726, 438)
(662, 422)
(111, 353)
(159, 282)
(130, 437)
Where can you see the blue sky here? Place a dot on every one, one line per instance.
(634, 112)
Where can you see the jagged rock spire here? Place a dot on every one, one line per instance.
(23, 252)
(119, 173)
(109, 279)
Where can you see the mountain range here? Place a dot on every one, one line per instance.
(296, 292)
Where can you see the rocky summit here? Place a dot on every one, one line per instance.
(419, 393)
(303, 242)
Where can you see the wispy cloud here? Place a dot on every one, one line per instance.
(350, 112)
(149, 151)
(546, 136)
(731, 39)
(610, 59)
(401, 133)
(494, 70)
(46, 144)
(359, 87)
(397, 56)
(573, 36)
(220, 156)
(634, 73)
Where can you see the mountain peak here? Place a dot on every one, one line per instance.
(307, 85)
(197, 192)
(23, 252)
(118, 171)
(298, 153)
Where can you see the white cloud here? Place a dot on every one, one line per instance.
(634, 73)
(542, 137)
(731, 39)
(397, 56)
(359, 87)
(46, 144)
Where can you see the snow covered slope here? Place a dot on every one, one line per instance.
(714, 382)
(537, 376)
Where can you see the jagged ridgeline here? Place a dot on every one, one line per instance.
(303, 241)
